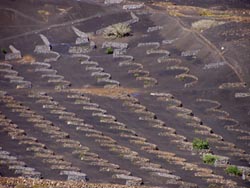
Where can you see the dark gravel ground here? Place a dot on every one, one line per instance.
(21, 22)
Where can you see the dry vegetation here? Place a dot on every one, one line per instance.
(191, 11)
(117, 31)
(27, 59)
(35, 183)
(106, 92)
(204, 24)
(44, 14)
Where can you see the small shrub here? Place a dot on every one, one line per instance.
(213, 185)
(233, 170)
(4, 51)
(209, 159)
(206, 13)
(117, 31)
(182, 78)
(136, 74)
(200, 144)
(109, 50)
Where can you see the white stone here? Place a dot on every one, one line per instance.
(166, 175)
(13, 49)
(76, 176)
(79, 33)
(81, 40)
(118, 52)
(45, 40)
(78, 49)
(133, 6)
(157, 44)
(113, 1)
(11, 56)
(241, 95)
(169, 41)
(6, 65)
(40, 49)
(130, 180)
(118, 45)
(41, 64)
(190, 53)
(15, 54)
(155, 28)
(221, 161)
(214, 65)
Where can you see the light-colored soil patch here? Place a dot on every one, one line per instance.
(202, 25)
(107, 92)
(27, 59)
(35, 183)
(192, 11)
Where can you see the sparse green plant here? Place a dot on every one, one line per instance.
(209, 159)
(233, 170)
(182, 78)
(82, 155)
(3, 50)
(200, 144)
(117, 31)
(109, 50)
(136, 74)
(146, 83)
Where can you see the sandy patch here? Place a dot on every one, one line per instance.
(106, 92)
(203, 24)
(32, 183)
(27, 59)
(192, 11)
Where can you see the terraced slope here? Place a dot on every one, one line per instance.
(71, 111)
